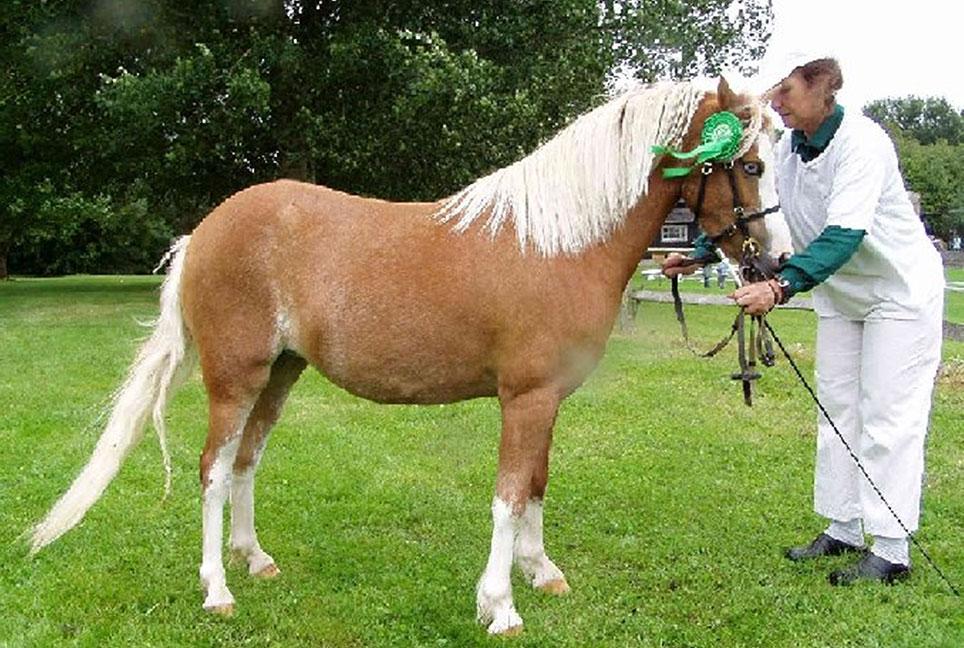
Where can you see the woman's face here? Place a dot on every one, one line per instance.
(800, 106)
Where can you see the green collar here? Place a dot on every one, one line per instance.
(809, 148)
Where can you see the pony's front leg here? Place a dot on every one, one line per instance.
(527, 421)
(530, 553)
(494, 596)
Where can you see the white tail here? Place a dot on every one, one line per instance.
(159, 368)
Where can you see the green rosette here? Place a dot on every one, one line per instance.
(719, 140)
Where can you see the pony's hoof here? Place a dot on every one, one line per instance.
(508, 623)
(556, 587)
(268, 572)
(225, 610)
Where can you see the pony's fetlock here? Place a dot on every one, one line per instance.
(259, 563)
(506, 622)
(543, 574)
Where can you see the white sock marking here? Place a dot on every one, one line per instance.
(244, 537)
(530, 553)
(215, 494)
(494, 596)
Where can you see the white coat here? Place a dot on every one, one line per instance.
(879, 326)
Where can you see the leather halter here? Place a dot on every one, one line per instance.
(753, 267)
(742, 221)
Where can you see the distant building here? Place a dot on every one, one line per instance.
(678, 232)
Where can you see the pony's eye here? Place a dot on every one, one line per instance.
(753, 168)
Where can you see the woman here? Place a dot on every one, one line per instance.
(878, 291)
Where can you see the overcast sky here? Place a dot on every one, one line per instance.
(887, 48)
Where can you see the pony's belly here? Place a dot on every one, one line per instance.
(403, 370)
(429, 386)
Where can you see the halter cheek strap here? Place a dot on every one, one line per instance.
(720, 143)
(720, 139)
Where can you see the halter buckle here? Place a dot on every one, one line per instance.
(738, 210)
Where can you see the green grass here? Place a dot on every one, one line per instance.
(668, 505)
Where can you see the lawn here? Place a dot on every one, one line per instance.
(669, 503)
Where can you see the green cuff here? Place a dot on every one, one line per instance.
(824, 256)
(704, 250)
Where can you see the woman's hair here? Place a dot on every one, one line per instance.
(826, 73)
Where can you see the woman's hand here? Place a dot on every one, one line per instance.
(758, 298)
(675, 264)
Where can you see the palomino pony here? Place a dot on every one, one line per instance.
(508, 289)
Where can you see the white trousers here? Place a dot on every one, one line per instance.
(875, 378)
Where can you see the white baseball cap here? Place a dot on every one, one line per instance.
(776, 68)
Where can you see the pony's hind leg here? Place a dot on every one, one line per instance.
(231, 398)
(527, 421)
(224, 437)
(244, 539)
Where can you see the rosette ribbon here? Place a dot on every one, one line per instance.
(719, 140)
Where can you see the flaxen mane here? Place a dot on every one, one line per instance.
(575, 189)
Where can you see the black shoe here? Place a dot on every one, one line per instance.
(870, 567)
(823, 545)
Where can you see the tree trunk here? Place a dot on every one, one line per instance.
(296, 167)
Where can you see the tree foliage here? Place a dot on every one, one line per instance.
(929, 135)
(928, 120)
(676, 39)
(122, 122)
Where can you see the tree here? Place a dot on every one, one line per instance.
(672, 39)
(928, 120)
(51, 133)
(929, 136)
(135, 118)
(935, 171)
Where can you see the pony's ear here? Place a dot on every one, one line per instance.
(732, 101)
(727, 98)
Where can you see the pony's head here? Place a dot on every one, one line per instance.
(720, 166)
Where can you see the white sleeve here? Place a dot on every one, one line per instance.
(857, 184)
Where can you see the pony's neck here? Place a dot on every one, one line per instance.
(640, 228)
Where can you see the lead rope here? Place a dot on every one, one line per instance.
(681, 318)
(751, 344)
(853, 456)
